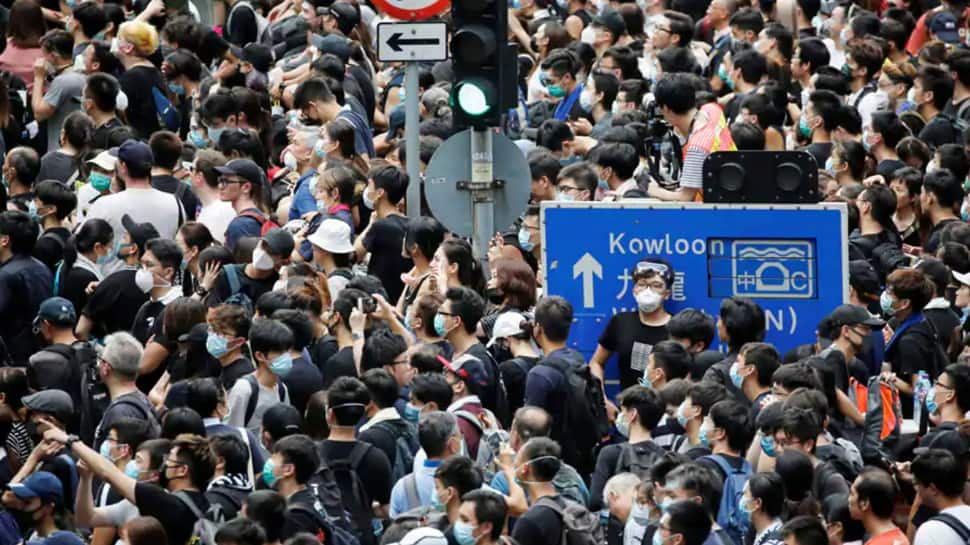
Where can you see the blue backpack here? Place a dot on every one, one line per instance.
(728, 514)
(168, 115)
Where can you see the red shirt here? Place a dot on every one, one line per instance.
(892, 537)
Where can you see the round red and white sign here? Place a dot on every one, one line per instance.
(412, 10)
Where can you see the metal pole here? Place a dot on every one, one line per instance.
(483, 216)
(412, 139)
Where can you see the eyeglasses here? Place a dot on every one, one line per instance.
(168, 462)
(661, 29)
(443, 313)
(223, 181)
(401, 362)
(565, 187)
(941, 385)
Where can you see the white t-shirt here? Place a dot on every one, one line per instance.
(161, 209)
(935, 532)
(85, 194)
(216, 216)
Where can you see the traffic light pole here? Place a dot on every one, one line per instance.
(481, 187)
(412, 139)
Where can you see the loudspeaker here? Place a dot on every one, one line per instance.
(761, 177)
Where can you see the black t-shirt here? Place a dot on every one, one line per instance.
(100, 138)
(514, 372)
(170, 184)
(374, 470)
(303, 381)
(933, 242)
(820, 151)
(146, 326)
(540, 524)
(384, 241)
(632, 341)
(244, 29)
(239, 368)
(114, 304)
(49, 248)
(176, 517)
(381, 436)
(137, 83)
(251, 287)
(340, 364)
(938, 131)
(321, 350)
(74, 284)
(886, 167)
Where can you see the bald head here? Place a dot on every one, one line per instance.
(530, 422)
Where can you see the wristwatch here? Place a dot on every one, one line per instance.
(70, 440)
(357, 336)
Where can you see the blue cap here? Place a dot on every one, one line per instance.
(58, 311)
(59, 537)
(135, 153)
(40, 484)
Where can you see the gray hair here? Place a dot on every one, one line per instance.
(621, 484)
(123, 353)
(434, 430)
(308, 135)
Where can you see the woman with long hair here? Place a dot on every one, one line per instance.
(23, 42)
(88, 249)
(455, 266)
(63, 164)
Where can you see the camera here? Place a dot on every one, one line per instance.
(657, 126)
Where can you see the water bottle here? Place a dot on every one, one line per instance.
(919, 395)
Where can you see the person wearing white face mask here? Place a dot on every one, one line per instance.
(302, 158)
(259, 275)
(159, 277)
(620, 498)
(632, 335)
(597, 100)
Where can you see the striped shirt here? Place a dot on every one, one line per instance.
(710, 133)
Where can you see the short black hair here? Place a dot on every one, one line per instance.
(937, 80)
(392, 179)
(940, 468)
(551, 134)
(543, 470)
(622, 158)
(490, 506)
(203, 395)
(705, 394)
(543, 163)
(58, 42)
(694, 325)
(796, 375)
(382, 387)
(299, 324)
(311, 90)
(268, 509)
(959, 376)
(807, 530)
(647, 404)
(91, 17)
(426, 233)
(103, 90)
(22, 230)
(166, 149)
(467, 305)
(230, 447)
(300, 451)
(892, 130)
(765, 359)
(240, 531)
(432, 387)
(945, 186)
(606, 83)
(673, 358)
(381, 348)
(347, 398)
(676, 91)
(813, 52)
(744, 321)
(461, 473)
(826, 105)
(735, 419)
(953, 157)
(267, 335)
(132, 432)
(876, 486)
(748, 136)
(555, 315)
(689, 519)
(58, 195)
(561, 62)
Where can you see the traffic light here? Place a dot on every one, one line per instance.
(484, 63)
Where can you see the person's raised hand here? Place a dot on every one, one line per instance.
(357, 319)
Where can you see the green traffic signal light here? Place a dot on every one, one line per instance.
(472, 99)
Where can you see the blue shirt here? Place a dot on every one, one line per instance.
(424, 479)
(240, 227)
(566, 104)
(303, 200)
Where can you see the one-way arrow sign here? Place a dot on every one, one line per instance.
(427, 41)
(587, 267)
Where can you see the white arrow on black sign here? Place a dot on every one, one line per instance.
(426, 41)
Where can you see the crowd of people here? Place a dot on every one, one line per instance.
(219, 327)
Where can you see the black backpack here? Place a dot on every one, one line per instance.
(579, 526)
(354, 497)
(254, 395)
(92, 396)
(638, 459)
(405, 438)
(955, 524)
(585, 409)
(328, 533)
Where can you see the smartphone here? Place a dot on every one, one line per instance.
(367, 305)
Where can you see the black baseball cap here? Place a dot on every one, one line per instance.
(140, 233)
(135, 153)
(245, 169)
(346, 15)
(281, 420)
(864, 279)
(258, 55)
(611, 20)
(853, 315)
(56, 310)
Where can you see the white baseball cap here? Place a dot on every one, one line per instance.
(506, 325)
(104, 161)
(333, 235)
(424, 536)
(963, 278)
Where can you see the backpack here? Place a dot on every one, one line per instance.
(728, 514)
(405, 435)
(265, 224)
(585, 408)
(92, 396)
(203, 529)
(579, 526)
(263, 33)
(570, 485)
(491, 437)
(846, 462)
(327, 532)
(879, 402)
(254, 395)
(638, 459)
(168, 115)
(353, 494)
(955, 524)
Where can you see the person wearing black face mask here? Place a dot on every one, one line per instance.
(849, 327)
(516, 353)
(37, 503)
(511, 289)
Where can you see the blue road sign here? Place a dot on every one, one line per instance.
(791, 259)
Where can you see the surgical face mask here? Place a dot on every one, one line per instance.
(217, 345)
(768, 446)
(622, 426)
(100, 182)
(176, 89)
(682, 417)
(282, 365)
(464, 533)
(865, 140)
(412, 414)
(132, 470)
(262, 261)
(105, 450)
(911, 97)
(745, 509)
(735, 373)
(367, 200)
(803, 128)
(562, 196)
(197, 140)
(215, 134)
(556, 90)
(886, 303)
(931, 404)
(524, 241)
(268, 474)
(829, 166)
(616, 108)
(289, 160)
(648, 300)
(965, 211)
(145, 280)
(722, 73)
(588, 36)
(702, 435)
(586, 102)
(640, 514)
(436, 502)
(439, 325)
(318, 148)
(844, 35)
